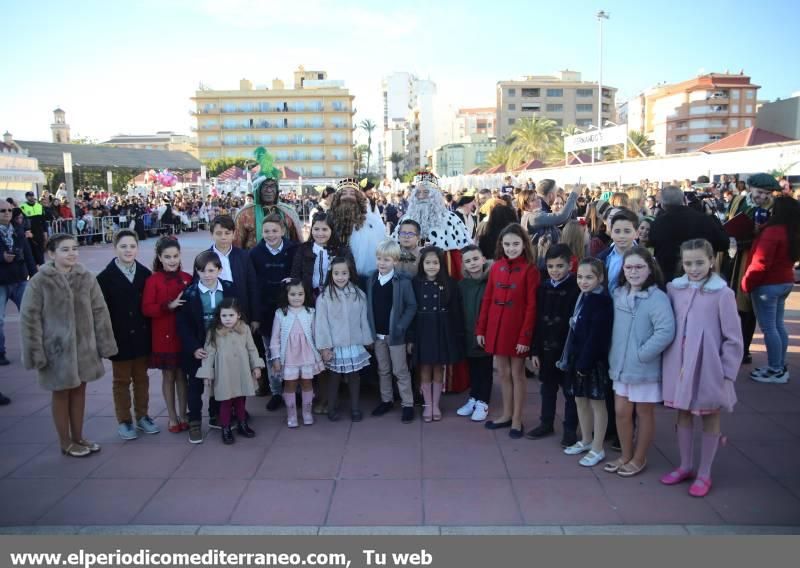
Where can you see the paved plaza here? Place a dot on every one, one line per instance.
(438, 478)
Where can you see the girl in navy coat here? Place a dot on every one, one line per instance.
(585, 359)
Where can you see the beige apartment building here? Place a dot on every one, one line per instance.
(308, 128)
(563, 97)
(683, 117)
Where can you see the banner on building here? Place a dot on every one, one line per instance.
(596, 138)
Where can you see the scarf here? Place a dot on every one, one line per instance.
(7, 233)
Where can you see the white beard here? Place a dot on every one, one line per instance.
(430, 213)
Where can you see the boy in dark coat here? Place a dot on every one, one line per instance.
(272, 260)
(122, 283)
(556, 299)
(193, 319)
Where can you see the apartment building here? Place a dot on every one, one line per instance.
(308, 128)
(473, 122)
(563, 97)
(460, 158)
(683, 117)
(781, 117)
(408, 104)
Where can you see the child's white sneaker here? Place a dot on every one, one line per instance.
(592, 458)
(481, 412)
(468, 408)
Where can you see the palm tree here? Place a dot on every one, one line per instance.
(499, 156)
(368, 126)
(556, 152)
(396, 158)
(638, 138)
(532, 139)
(359, 151)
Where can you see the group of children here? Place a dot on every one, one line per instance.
(605, 334)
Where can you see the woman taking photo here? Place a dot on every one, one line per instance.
(66, 332)
(769, 278)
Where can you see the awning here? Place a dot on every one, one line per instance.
(21, 176)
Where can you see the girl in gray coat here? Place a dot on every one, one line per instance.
(644, 327)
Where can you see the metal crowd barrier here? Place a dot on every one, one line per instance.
(91, 230)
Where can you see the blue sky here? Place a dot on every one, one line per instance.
(130, 67)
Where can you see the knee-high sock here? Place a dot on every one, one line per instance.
(686, 447)
(708, 449)
(291, 407)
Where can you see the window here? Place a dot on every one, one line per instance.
(748, 123)
(734, 123)
(751, 95)
(681, 138)
(531, 108)
(263, 107)
(584, 92)
(282, 139)
(748, 108)
(554, 107)
(246, 107)
(583, 108)
(299, 122)
(735, 94)
(605, 107)
(229, 107)
(531, 92)
(606, 93)
(512, 92)
(583, 122)
(512, 120)
(320, 76)
(211, 140)
(317, 171)
(734, 109)
(265, 139)
(555, 92)
(716, 136)
(512, 106)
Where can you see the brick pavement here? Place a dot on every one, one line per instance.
(381, 475)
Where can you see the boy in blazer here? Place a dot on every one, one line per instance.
(391, 307)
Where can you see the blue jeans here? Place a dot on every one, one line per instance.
(8, 292)
(768, 303)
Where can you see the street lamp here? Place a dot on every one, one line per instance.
(601, 15)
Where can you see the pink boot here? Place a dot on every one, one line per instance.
(308, 398)
(427, 394)
(291, 409)
(437, 393)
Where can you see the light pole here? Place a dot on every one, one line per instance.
(601, 15)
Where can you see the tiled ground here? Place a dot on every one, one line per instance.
(380, 472)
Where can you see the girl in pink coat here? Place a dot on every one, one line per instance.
(700, 366)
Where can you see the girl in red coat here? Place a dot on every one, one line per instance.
(505, 324)
(163, 294)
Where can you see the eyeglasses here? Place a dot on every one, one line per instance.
(407, 234)
(634, 267)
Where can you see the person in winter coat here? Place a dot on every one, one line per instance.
(506, 322)
(585, 359)
(66, 332)
(313, 257)
(231, 366)
(769, 279)
(555, 301)
(16, 265)
(272, 260)
(643, 328)
(163, 295)
(481, 373)
(122, 283)
(700, 367)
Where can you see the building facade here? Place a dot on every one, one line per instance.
(460, 158)
(563, 97)
(474, 122)
(683, 117)
(408, 103)
(308, 128)
(161, 140)
(781, 117)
